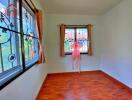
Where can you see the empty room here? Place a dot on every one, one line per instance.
(65, 50)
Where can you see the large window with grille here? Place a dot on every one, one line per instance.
(18, 39)
(76, 34)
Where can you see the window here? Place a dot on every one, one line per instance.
(14, 40)
(76, 34)
(30, 36)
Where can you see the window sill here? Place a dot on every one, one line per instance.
(80, 53)
(16, 76)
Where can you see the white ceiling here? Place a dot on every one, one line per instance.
(91, 7)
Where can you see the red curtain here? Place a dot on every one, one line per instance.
(39, 22)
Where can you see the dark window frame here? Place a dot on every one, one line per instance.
(76, 27)
(24, 68)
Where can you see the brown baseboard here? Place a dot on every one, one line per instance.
(117, 81)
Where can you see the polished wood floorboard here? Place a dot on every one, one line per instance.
(82, 86)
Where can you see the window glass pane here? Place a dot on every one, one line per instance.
(82, 38)
(31, 50)
(9, 14)
(69, 39)
(30, 36)
(29, 25)
(10, 55)
(10, 44)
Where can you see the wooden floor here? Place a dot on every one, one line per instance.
(83, 86)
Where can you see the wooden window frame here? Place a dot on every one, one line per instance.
(75, 27)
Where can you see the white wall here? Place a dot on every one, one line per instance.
(116, 39)
(26, 86)
(57, 63)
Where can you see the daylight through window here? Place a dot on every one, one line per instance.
(12, 62)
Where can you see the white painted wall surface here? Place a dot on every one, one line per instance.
(116, 39)
(60, 64)
(25, 87)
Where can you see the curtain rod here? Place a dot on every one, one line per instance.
(77, 25)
